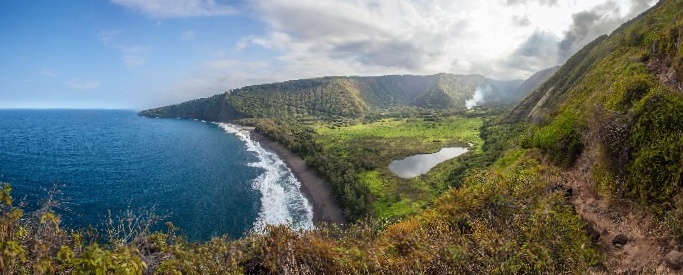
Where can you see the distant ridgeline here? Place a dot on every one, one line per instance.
(351, 97)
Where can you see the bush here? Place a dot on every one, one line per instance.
(655, 171)
(560, 139)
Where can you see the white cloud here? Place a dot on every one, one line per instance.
(311, 38)
(83, 84)
(177, 8)
(390, 34)
(107, 36)
(506, 39)
(133, 56)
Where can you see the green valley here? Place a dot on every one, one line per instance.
(373, 145)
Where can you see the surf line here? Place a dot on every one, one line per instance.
(281, 199)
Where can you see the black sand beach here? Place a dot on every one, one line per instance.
(316, 190)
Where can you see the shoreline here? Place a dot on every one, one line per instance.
(315, 189)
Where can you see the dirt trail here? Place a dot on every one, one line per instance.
(644, 250)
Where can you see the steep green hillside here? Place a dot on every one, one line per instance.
(335, 97)
(393, 90)
(451, 91)
(215, 108)
(318, 97)
(612, 116)
(621, 94)
(553, 92)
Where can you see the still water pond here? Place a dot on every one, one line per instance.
(416, 165)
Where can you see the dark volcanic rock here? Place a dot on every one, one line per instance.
(620, 240)
(569, 193)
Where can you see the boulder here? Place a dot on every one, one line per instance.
(619, 240)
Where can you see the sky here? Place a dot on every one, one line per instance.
(138, 54)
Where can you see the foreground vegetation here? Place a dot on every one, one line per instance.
(506, 220)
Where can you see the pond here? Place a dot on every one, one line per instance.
(416, 165)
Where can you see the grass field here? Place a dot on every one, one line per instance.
(376, 144)
(442, 129)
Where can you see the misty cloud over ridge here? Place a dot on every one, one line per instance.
(509, 40)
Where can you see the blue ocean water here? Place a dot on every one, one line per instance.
(211, 179)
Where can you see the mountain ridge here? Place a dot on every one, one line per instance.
(342, 96)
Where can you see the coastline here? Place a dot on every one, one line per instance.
(315, 189)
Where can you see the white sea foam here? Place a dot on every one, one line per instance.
(281, 200)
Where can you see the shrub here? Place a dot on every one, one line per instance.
(655, 171)
(560, 139)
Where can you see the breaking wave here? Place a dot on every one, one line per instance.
(281, 199)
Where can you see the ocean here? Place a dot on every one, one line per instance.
(208, 179)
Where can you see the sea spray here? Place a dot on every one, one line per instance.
(281, 200)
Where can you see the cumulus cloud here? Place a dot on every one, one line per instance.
(587, 25)
(539, 50)
(392, 34)
(83, 84)
(177, 8)
(311, 38)
(521, 21)
(513, 39)
(601, 19)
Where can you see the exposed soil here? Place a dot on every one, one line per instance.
(666, 74)
(646, 242)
